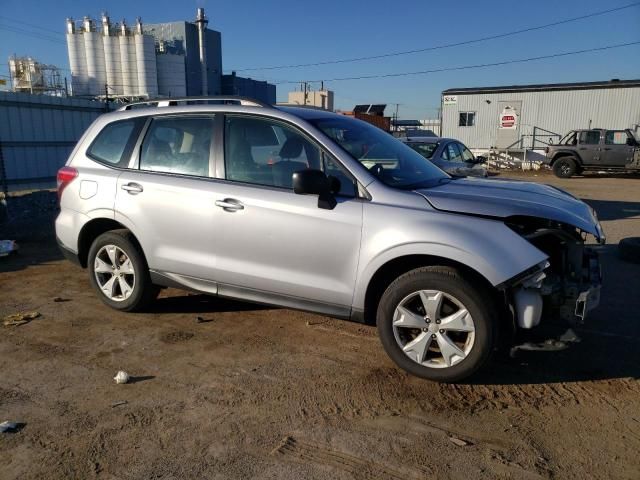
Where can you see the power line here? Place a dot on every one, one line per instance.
(470, 67)
(448, 45)
(57, 32)
(32, 34)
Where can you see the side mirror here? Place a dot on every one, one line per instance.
(481, 159)
(315, 182)
(631, 142)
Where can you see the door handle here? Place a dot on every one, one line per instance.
(132, 188)
(607, 148)
(229, 205)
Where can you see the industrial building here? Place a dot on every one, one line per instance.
(248, 87)
(30, 76)
(156, 60)
(199, 50)
(528, 117)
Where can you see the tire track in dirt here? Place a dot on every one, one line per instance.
(360, 468)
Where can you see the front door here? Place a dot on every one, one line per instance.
(589, 147)
(616, 152)
(167, 199)
(271, 244)
(509, 119)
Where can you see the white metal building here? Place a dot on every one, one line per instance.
(528, 116)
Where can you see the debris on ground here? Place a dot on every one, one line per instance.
(311, 324)
(17, 319)
(203, 320)
(7, 247)
(550, 345)
(60, 299)
(569, 337)
(459, 442)
(117, 404)
(10, 427)
(121, 377)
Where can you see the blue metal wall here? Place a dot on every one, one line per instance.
(37, 134)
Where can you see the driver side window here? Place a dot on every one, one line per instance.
(266, 152)
(467, 156)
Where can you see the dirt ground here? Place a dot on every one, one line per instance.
(255, 392)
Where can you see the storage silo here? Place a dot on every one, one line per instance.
(77, 59)
(129, 69)
(94, 51)
(112, 60)
(146, 62)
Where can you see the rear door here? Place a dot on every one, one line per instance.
(166, 196)
(589, 147)
(616, 152)
(271, 244)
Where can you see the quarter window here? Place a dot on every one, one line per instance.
(467, 119)
(111, 143)
(178, 145)
(590, 137)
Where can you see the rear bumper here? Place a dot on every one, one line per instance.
(68, 253)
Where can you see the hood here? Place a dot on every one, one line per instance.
(507, 198)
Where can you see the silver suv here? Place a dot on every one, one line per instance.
(316, 211)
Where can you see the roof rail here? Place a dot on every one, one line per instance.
(173, 101)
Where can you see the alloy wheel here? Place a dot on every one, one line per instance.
(433, 328)
(114, 273)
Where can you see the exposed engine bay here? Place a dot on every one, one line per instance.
(567, 286)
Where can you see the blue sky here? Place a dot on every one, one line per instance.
(291, 32)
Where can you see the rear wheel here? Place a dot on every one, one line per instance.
(436, 325)
(119, 273)
(565, 167)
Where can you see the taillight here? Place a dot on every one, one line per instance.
(65, 177)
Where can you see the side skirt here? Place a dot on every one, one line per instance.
(198, 285)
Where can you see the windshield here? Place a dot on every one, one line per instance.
(393, 162)
(425, 149)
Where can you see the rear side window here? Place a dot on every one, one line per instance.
(178, 145)
(114, 142)
(616, 137)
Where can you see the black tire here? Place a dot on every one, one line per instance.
(565, 167)
(143, 292)
(449, 281)
(629, 249)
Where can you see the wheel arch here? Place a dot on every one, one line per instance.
(92, 230)
(566, 153)
(400, 265)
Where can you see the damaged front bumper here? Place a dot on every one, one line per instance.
(553, 293)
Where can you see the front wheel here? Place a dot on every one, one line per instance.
(436, 325)
(119, 273)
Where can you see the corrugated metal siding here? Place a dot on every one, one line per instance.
(557, 111)
(37, 133)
